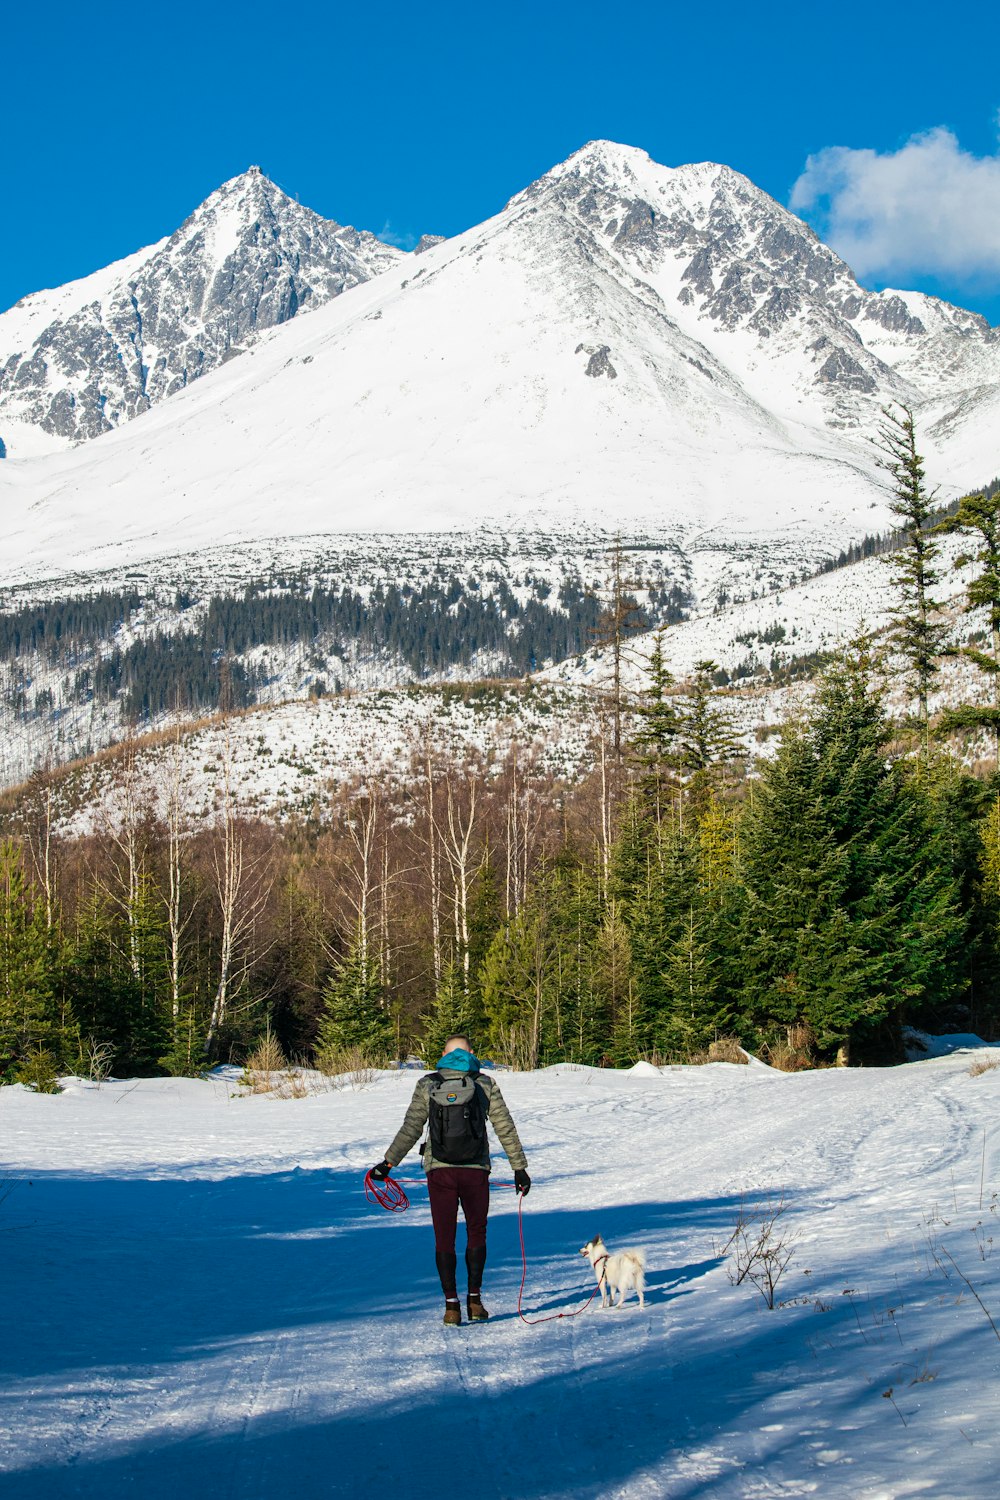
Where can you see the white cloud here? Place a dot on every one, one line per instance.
(403, 239)
(929, 208)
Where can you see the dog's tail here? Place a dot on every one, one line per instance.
(638, 1259)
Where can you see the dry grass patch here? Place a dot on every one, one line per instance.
(727, 1049)
(984, 1065)
(264, 1065)
(348, 1067)
(795, 1053)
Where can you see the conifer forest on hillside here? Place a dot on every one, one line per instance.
(670, 904)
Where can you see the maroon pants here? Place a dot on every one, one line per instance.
(448, 1187)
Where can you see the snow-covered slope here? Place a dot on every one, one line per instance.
(208, 1305)
(84, 358)
(289, 760)
(625, 344)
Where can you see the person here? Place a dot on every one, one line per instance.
(454, 1103)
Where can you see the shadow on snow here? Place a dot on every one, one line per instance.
(125, 1278)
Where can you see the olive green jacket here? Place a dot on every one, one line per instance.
(496, 1112)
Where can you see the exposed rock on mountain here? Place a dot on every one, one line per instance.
(625, 345)
(81, 360)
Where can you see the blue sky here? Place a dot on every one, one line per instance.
(409, 119)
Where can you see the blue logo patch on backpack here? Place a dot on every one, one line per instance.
(456, 1120)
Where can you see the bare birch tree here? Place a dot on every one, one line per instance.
(463, 857)
(127, 853)
(41, 837)
(178, 918)
(522, 818)
(242, 886)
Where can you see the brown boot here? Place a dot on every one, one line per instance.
(452, 1313)
(476, 1310)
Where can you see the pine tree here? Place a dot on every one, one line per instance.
(706, 739)
(31, 1017)
(978, 517)
(356, 1013)
(717, 850)
(679, 918)
(983, 904)
(656, 905)
(850, 919)
(919, 632)
(114, 1005)
(519, 980)
(581, 1020)
(454, 1011)
(690, 982)
(620, 618)
(654, 740)
(615, 982)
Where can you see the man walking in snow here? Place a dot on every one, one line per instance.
(455, 1103)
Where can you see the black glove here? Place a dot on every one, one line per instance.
(522, 1181)
(381, 1172)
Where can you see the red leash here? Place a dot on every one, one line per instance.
(549, 1317)
(388, 1193)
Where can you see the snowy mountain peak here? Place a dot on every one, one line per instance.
(625, 345)
(604, 156)
(81, 360)
(754, 284)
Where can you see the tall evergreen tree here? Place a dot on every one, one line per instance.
(977, 517)
(983, 904)
(620, 618)
(455, 1009)
(679, 918)
(540, 979)
(518, 981)
(114, 1005)
(581, 1022)
(706, 739)
(654, 739)
(356, 1012)
(919, 632)
(615, 982)
(657, 906)
(851, 919)
(31, 1017)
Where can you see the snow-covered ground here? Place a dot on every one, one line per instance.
(199, 1300)
(290, 761)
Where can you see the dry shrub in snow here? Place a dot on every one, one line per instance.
(727, 1049)
(97, 1060)
(348, 1067)
(796, 1052)
(265, 1065)
(984, 1065)
(760, 1248)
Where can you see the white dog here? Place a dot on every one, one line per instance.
(621, 1273)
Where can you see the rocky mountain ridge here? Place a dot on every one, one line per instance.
(662, 353)
(734, 267)
(83, 359)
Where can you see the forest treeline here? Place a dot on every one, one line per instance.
(668, 900)
(883, 543)
(196, 666)
(810, 910)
